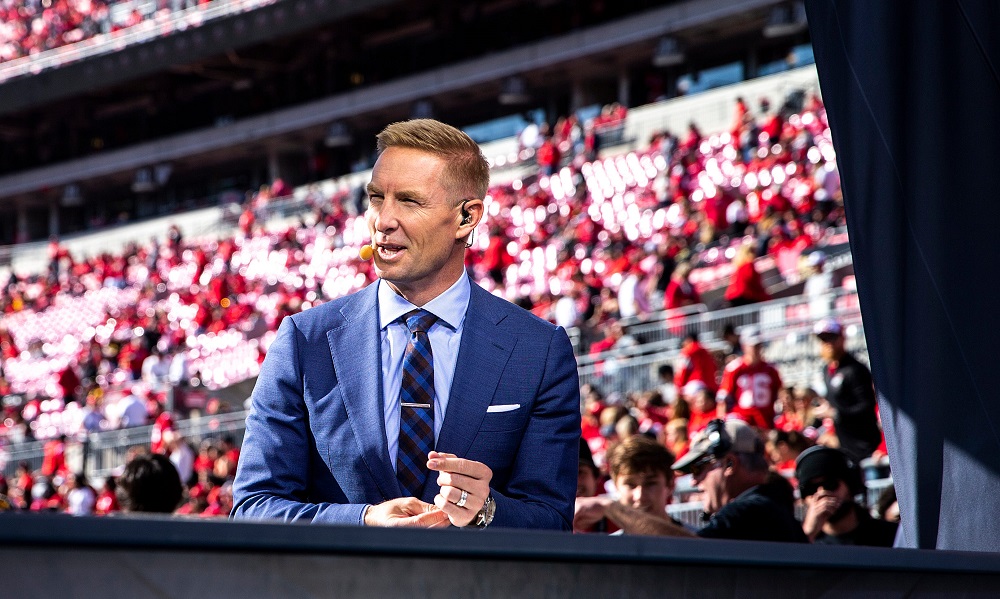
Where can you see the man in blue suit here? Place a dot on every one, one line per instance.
(421, 400)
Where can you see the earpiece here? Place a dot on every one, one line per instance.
(466, 217)
(467, 220)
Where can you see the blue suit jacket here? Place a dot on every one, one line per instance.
(315, 445)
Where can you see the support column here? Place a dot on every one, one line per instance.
(624, 88)
(577, 97)
(273, 165)
(21, 233)
(54, 224)
(750, 63)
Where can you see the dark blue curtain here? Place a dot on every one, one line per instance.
(913, 97)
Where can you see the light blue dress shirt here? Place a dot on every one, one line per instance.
(445, 337)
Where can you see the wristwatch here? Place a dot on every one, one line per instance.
(485, 515)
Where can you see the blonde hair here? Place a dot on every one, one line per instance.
(466, 171)
(745, 253)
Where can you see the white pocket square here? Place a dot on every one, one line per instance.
(504, 407)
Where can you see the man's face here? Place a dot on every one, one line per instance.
(830, 347)
(711, 480)
(646, 491)
(586, 482)
(413, 220)
(753, 352)
(703, 401)
(819, 488)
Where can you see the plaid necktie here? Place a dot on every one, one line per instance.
(416, 398)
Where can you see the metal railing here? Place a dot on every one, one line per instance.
(635, 368)
(99, 454)
(782, 321)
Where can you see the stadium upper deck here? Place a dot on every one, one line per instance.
(247, 97)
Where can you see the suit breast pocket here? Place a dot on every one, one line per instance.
(507, 421)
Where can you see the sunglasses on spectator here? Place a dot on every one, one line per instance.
(701, 465)
(830, 483)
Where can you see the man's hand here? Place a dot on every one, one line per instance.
(457, 475)
(405, 511)
(820, 507)
(589, 511)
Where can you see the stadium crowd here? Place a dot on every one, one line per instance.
(147, 335)
(28, 28)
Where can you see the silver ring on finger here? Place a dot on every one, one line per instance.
(463, 499)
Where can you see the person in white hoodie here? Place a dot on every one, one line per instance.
(132, 410)
(180, 453)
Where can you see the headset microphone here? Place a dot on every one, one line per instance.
(366, 252)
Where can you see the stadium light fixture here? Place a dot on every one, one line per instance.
(71, 195)
(338, 135)
(668, 52)
(514, 91)
(143, 181)
(162, 172)
(785, 20)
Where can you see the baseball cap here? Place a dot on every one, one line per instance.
(694, 387)
(828, 326)
(751, 336)
(816, 258)
(718, 439)
(825, 463)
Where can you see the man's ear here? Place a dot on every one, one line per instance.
(469, 216)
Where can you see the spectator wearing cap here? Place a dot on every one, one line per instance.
(828, 484)
(750, 385)
(640, 471)
(742, 497)
(849, 391)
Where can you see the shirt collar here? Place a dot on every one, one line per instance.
(450, 307)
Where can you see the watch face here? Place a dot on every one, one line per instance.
(485, 516)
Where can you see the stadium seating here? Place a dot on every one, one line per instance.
(30, 29)
(219, 300)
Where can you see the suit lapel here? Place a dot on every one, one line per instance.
(357, 360)
(482, 357)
